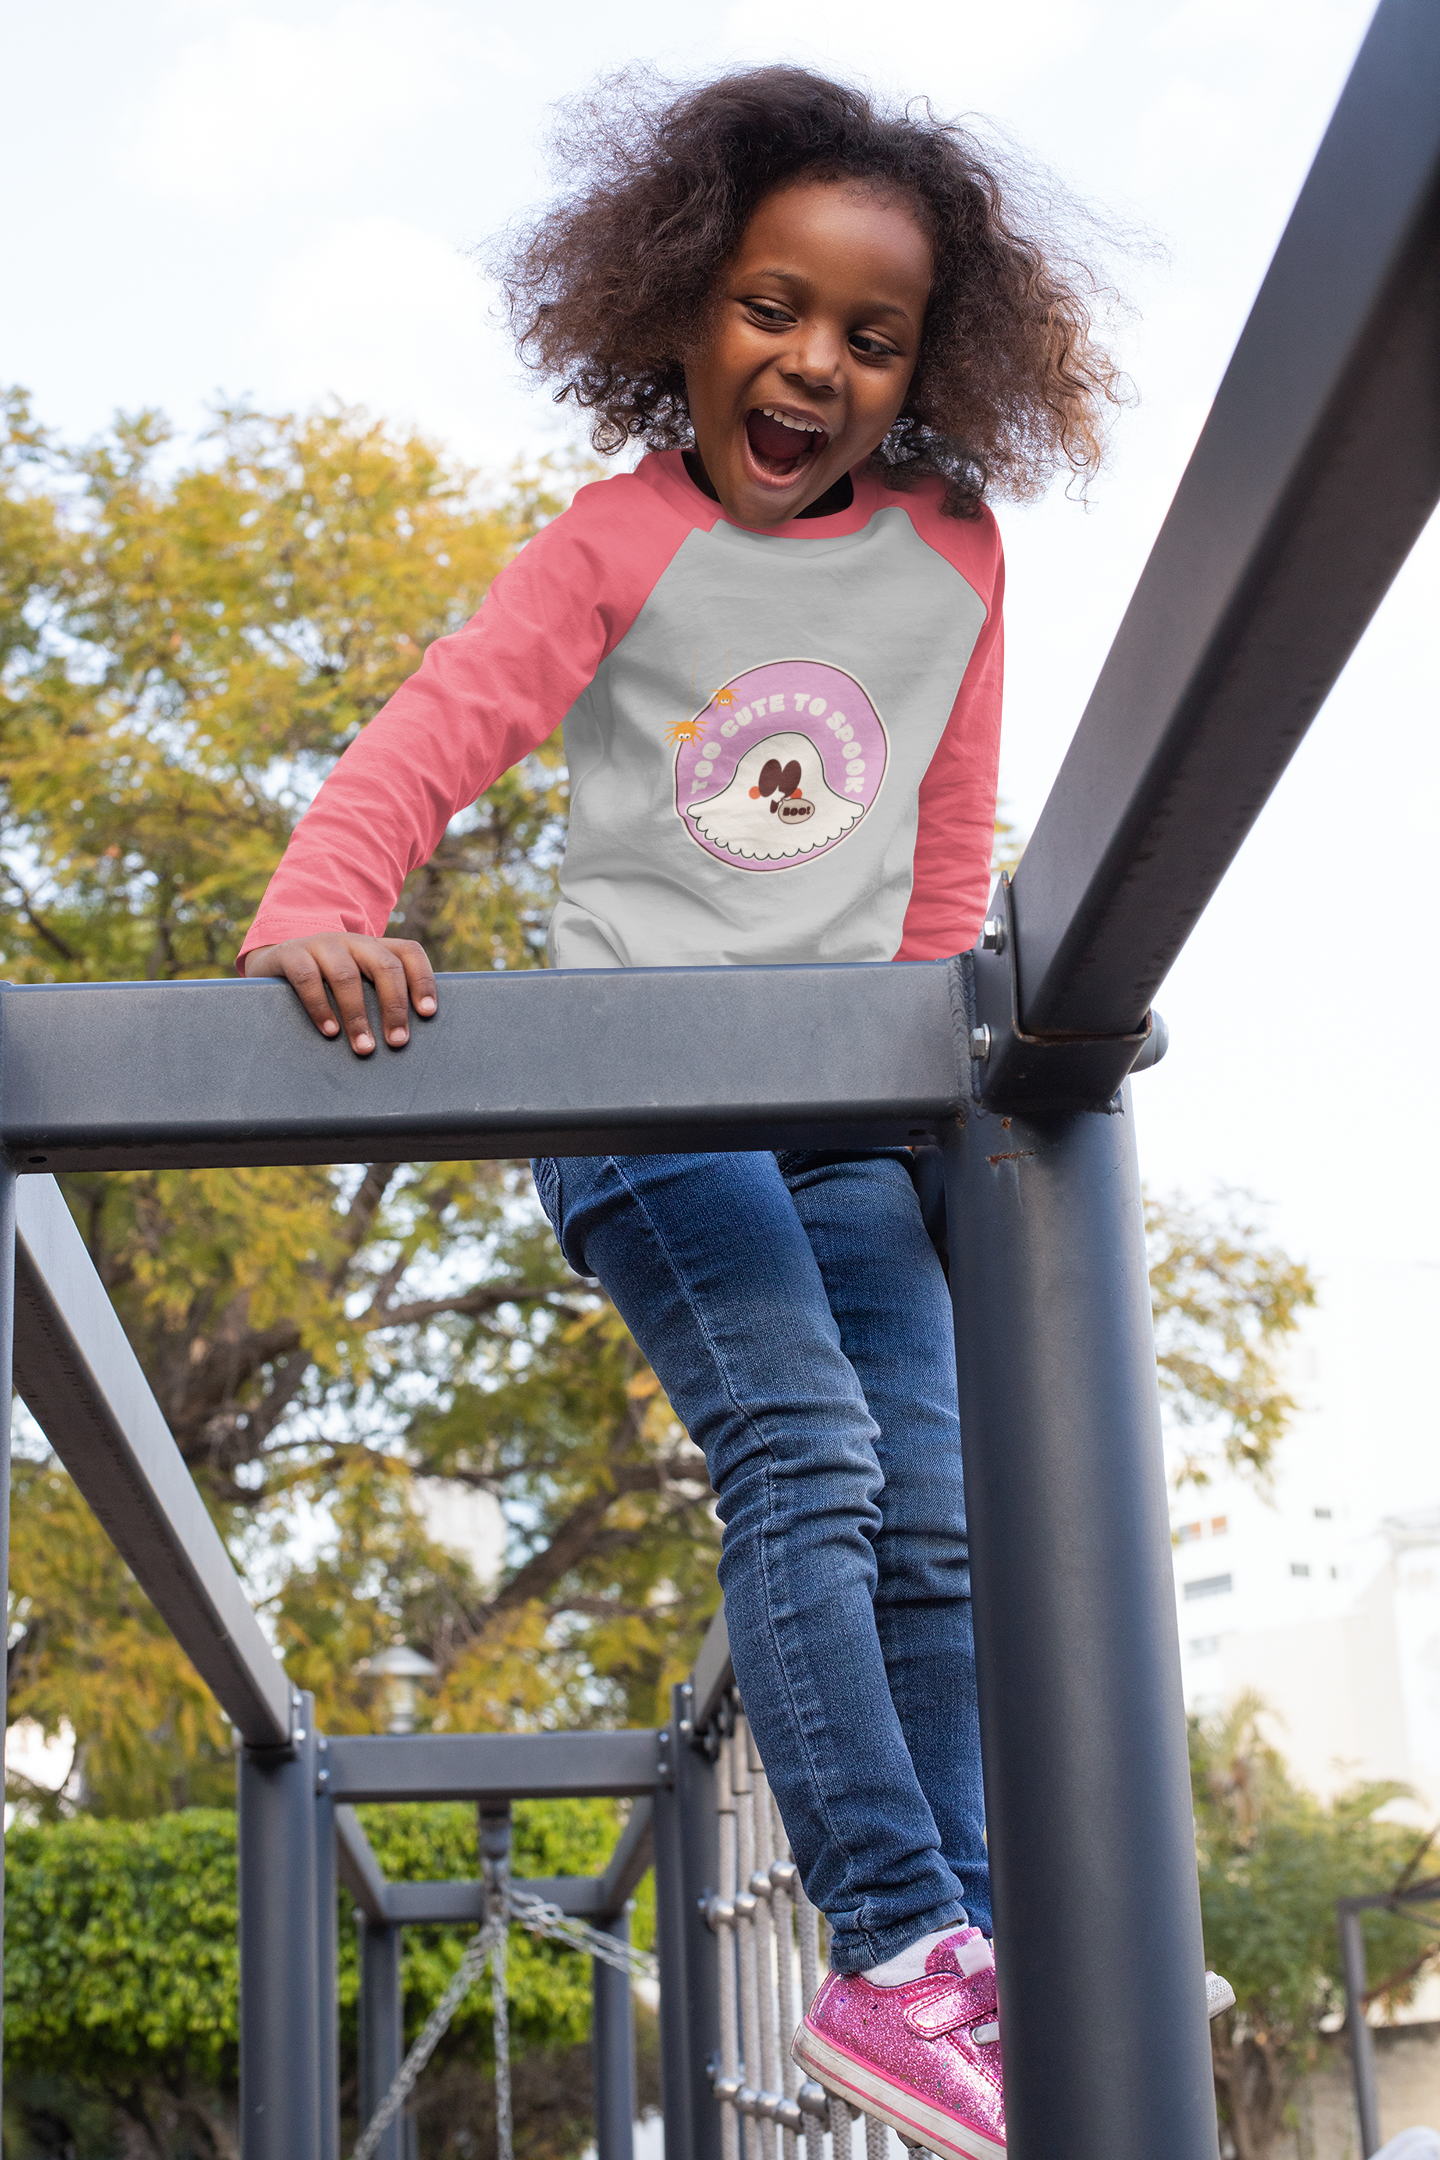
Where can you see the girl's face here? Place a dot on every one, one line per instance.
(808, 361)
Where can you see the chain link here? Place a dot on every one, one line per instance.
(467, 1972)
(538, 1918)
(500, 2015)
(489, 1946)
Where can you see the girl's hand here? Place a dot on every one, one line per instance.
(334, 958)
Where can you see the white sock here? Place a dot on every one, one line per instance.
(909, 1964)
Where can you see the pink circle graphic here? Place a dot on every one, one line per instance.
(781, 765)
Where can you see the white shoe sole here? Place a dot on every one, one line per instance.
(917, 2121)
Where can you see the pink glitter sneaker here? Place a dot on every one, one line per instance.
(924, 2056)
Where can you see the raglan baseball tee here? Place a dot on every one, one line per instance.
(782, 745)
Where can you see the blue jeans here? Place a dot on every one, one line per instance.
(798, 1319)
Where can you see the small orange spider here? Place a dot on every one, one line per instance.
(724, 697)
(684, 731)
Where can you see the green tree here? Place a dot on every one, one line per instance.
(187, 645)
(1273, 1860)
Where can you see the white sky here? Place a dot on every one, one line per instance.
(277, 200)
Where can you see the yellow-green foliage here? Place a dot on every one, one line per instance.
(1224, 1302)
(188, 639)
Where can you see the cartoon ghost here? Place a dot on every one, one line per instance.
(777, 806)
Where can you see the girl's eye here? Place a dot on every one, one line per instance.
(873, 348)
(768, 313)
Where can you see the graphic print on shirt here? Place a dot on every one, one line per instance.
(780, 766)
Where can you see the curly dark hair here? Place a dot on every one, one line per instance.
(615, 282)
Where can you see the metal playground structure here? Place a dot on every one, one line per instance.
(1313, 477)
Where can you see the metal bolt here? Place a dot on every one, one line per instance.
(980, 1042)
(784, 1875)
(992, 937)
(759, 1884)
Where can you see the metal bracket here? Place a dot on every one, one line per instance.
(1010, 1070)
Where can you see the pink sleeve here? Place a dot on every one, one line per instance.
(955, 840)
(480, 701)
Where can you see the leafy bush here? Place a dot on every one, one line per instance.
(122, 1966)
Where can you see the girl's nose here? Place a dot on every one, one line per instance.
(815, 357)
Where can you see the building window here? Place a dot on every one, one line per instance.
(1186, 1534)
(1299, 1567)
(1205, 1646)
(1210, 1586)
(1323, 1514)
(1219, 1524)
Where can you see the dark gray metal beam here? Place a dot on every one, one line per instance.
(686, 1874)
(1088, 1808)
(1357, 2025)
(493, 1766)
(585, 1897)
(462, 1904)
(1316, 470)
(713, 1673)
(84, 1387)
(327, 1962)
(8, 1183)
(382, 2030)
(281, 2050)
(356, 1864)
(612, 2043)
(632, 1859)
(537, 1062)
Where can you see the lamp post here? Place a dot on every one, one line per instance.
(400, 1668)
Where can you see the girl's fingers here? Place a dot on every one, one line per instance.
(424, 995)
(348, 988)
(392, 989)
(339, 965)
(306, 980)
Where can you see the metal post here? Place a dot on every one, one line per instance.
(495, 1850)
(7, 1341)
(1091, 1834)
(382, 2027)
(613, 2044)
(280, 2049)
(686, 1874)
(326, 1960)
(1362, 2043)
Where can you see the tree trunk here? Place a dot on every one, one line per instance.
(1254, 2079)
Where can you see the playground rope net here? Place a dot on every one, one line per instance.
(769, 1971)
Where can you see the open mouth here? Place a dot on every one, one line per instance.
(782, 446)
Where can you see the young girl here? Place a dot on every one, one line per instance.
(775, 648)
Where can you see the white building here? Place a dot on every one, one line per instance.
(1332, 1619)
